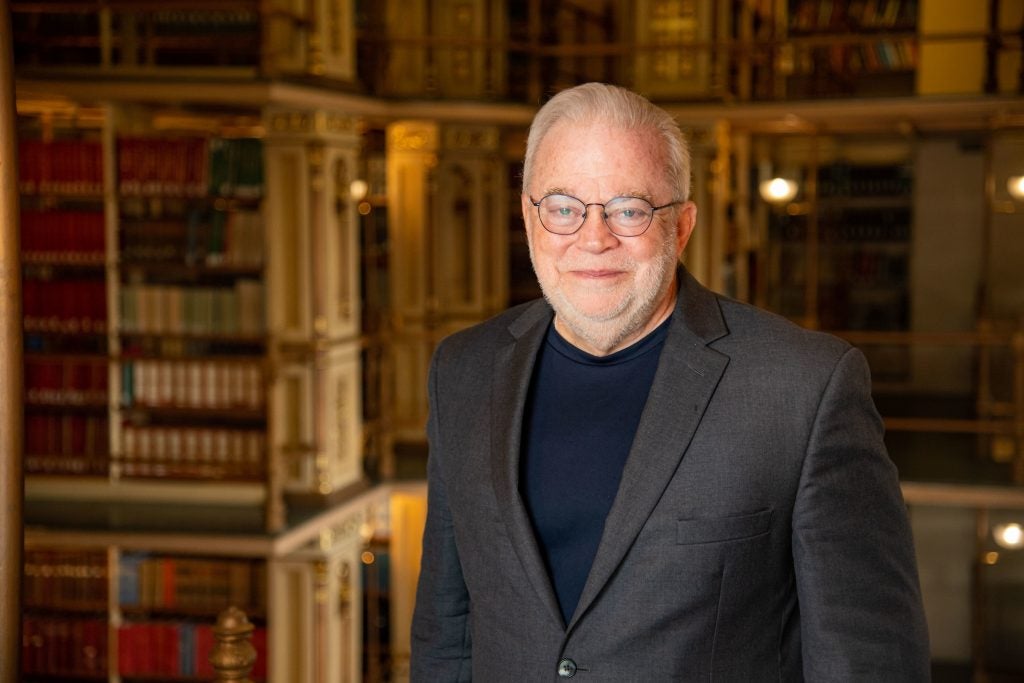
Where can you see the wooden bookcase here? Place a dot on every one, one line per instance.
(193, 326)
(156, 353)
(129, 592)
(842, 48)
(66, 307)
(837, 256)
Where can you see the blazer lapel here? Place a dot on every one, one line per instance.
(688, 373)
(513, 368)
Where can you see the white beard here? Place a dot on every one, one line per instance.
(609, 328)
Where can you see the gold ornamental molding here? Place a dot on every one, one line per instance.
(311, 123)
(413, 136)
(345, 533)
(472, 138)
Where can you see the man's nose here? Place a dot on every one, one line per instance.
(594, 233)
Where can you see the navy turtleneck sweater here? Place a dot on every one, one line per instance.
(581, 415)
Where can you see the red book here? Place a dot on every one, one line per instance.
(171, 651)
(168, 568)
(204, 646)
(125, 166)
(146, 649)
(126, 656)
(259, 642)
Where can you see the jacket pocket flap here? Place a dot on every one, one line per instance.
(717, 529)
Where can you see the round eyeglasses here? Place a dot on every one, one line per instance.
(624, 216)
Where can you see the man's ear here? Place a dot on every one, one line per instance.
(686, 219)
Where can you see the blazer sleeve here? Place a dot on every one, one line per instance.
(440, 625)
(856, 575)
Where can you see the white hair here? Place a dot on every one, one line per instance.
(619, 108)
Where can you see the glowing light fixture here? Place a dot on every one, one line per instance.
(778, 190)
(1015, 186)
(358, 189)
(1009, 536)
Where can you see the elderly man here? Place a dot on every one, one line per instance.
(637, 479)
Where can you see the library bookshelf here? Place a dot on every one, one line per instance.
(193, 385)
(179, 291)
(130, 591)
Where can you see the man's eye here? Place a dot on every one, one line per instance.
(564, 211)
(627, 213)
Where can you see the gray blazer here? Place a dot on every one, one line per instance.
(758, 534)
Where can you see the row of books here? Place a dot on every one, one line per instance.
(236, 167)
(191, 584)
(205, 21)
(178, 649)
(860, 226)
(72, 167)
(87, 465)
(66, 443)
(175, 167)
(66, 379)
(237, 310)
(854, 226)
(214, 238)
(846, 180)
(73, 236)
(190, 167)
(65, 579)
(850, 15)
(217, 385)
(68, 305)
(870, 268)
(190, 452)
(52, 23)
(64, 646)
(852, 308)
(878, 55)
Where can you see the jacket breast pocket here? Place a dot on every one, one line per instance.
(719, 529)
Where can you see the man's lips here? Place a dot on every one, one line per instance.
(596, 273)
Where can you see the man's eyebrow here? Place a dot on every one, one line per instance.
(639, 194)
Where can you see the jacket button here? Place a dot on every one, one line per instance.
(567, 668)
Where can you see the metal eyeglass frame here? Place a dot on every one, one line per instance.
(604, 215)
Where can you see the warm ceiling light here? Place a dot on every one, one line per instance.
(1015, 186)
(1009, 535)
(358, 189)
(778, 190)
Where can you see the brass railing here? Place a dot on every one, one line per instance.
(997, 365)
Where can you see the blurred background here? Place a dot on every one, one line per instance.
(245, 225)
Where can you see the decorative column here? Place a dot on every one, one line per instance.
(313, 301)
(408, 515)
(316, 598)
(449, 269)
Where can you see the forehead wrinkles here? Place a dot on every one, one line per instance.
(594, 158)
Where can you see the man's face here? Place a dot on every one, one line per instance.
(607, 291)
